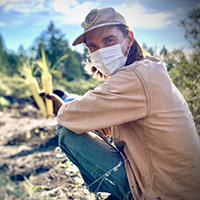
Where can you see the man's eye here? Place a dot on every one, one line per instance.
(110, 40)
(91, 48)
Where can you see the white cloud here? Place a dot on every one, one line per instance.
(2, 24)
(24, 6)
(73, 11)
(137, 17)
(2, 2)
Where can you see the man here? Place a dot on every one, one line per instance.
(156, 151)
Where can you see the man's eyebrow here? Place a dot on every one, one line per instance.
(89, 45)
(108, 37)
(104, 39)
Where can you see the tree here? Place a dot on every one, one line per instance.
(186, 76)
(164, 52)
(85, 58)
(186, 72)
(191, 26)
(55, 45)
(22, 52)
(3, 55)
(9, 62)
(13, 63)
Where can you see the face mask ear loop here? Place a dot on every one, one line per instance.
(128, 48)
(128, 52)
(122, 42)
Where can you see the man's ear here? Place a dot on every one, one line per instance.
(130, 38)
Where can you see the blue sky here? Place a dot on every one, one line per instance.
(154, 22)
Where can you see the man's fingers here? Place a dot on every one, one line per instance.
(52, 96)
(48, 96)
(42, 93)
(56, 99)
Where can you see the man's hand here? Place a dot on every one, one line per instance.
(55, 97)
(57, 102)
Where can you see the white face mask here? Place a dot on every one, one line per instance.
(109, 60)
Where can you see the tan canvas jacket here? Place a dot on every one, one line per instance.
(151, 122)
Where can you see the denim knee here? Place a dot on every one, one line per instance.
(64, 136)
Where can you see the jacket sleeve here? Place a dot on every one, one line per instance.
(118, 100)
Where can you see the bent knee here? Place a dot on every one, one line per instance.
(64, 135)
(67, 137)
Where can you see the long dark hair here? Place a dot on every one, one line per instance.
(136, 53)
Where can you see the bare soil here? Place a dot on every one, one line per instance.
(32, 165)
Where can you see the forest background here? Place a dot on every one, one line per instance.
(70, 75)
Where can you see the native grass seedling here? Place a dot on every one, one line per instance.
(46, 77)
(26, 71)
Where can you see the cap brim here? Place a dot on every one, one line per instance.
(80, 39)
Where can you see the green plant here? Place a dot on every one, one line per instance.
(4, 102)
(30, 189)
(63, 165)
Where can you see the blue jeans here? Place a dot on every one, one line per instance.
(99, 163)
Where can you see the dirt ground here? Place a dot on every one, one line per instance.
(32, 165)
